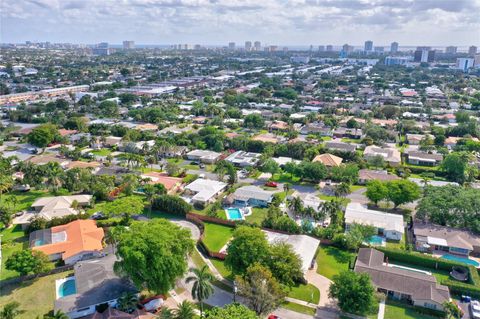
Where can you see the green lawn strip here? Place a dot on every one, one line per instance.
(257, 216)
(36, 296)
(396, 310)
(216, 236)
(308, 293)
(222, 269)
(299, 308)
(12, 233)
(331, 260)
(8, 248)
(199, 262)
(285, 178)
(102, 152)
(354, 188)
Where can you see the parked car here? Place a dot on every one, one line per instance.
(201, 165)
(271, 184)
(98, 215)
(272, 316)
(465, 298)
(475, 307)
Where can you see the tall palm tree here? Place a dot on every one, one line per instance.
(342, 189)
(165, 313)
(202, 285)
(54, 174)
(11, 310)
(127, 302)
(185, 310)
(296, 205)
(57, 315)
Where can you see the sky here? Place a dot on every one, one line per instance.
(217, 22)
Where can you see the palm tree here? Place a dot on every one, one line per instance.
(58, 315)
(185, 310)
(11, 311)
(202, 285)
(6, 182)
(342, 190)
(296, 205)
(127, 302)
(165, 313)
(54, 173)
(331, 209)
(452, 310)
(286, 187)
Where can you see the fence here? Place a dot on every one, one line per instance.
(20, 279)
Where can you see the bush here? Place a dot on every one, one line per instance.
(41, 223)
(172, 205)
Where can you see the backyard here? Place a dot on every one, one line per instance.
(36, 297)
(13, 240)
(216, 236)
(331, 260)
(258, 215)
(395, 310)
(308, 293)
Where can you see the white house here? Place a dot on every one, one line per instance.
(203, 191)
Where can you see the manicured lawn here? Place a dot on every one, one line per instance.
(396, 244)
(394, 310)
(354, 188)
(285, 178)
(299, 308)
(331, 260)
(222, 269)
(344, 201)
(192, 166)
(36, 297)
(101, 152)
(8, 248)
(308, 293)
(12, 233)
(258, 215)
(216, 236)
(24, 199)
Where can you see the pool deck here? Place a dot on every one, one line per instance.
(440, 254)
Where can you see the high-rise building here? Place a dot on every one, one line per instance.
(248, 45)
(465, 63)
(347, 48)
(329, 48)
(397, 60)
(368, 46)
(394, 47)
(451, 50)
(424, 54)
(102, 49)
(477, 60)
(257, 45)
(472, 50)
(321, 48)
(127, 45)
(231, 46)
(197, 47)
(379, 49)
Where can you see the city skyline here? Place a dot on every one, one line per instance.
(218, 22)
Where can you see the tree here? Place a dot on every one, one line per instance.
(172, 169)
(6, 182)
(354, 292)
(357, 234)
(376, 161)
(57, 315)
(253, 121)
(43, 135)
(296, 205)
(455, 165)
(402, 191)
(342, 190)
(127, 302)
(166, 313)
(185, 310)
(376, 191)
(452, 310)
(27, 262)
(260, 289)
(11, 310)
(172, 205)
(108, 108)
(270, 166)
(154, 254)
(125, 207)
(285, 264)
(248, 246)
(202, 284)
(231, 311)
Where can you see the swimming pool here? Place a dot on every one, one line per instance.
(461, 260)
(66, 287)
(234, 214)
(38, 242)
(376, 240)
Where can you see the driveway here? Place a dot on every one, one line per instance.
(358, 196)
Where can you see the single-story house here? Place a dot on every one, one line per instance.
(170, 183)
(430, 237)
(58, 206)
(415, 139)
(252, 196)
(282, 161)
(45, 159)
(366, 175)
(423, 158)
(203, 191)
(328, 160)
(203, 156)
(341, 147)
(389, 225)
(354, 133)
(243, 159)
(95, 284)
(418, 288)
(112, 313)
(94, 166)
(72, 242)
(316, 128)
(267, 138)
(390, 154)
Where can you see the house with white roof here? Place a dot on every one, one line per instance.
(243, 159)
(389, 225)
(203, 156)
(252, 196)
(203, 191)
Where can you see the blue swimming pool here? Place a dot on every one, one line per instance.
(67, 288)
(234, 214)
(38, 242)
(376, 240)
(461, 260)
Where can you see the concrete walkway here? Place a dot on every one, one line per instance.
(323, 284)
(381, 309)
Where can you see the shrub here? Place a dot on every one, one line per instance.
(171, 205)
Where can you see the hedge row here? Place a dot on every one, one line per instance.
(456, 287)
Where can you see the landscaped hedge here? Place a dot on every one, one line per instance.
(456, 287)
(171, 205)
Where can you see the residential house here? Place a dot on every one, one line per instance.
(279, 126)
(423, 158)
(267, 138)
(203, 191)
(72, 242)
(112, 313)
(415, 139)
(345, 132)
(430, 237)
(204, 156)
(94, 166)
(390, 226)
(341, 147)
(243, 159)
(252, 196)
(45, 159)
(173, 152)
(171, 183)
(316, 128)
(96, 284)
(390, 154)
(366, 175)
(328, 160)
(418, 288)
(282, 161)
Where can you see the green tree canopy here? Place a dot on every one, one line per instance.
(354, 292)
(231, 311)
(27, 262)
(43, 135)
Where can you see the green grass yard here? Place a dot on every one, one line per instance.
(222, 269)
(331, 260)
(216, 236)
(257, 216)
(24, 200)
(101, 152)
(308, 293)
(395, 310)
(299, 308)
(36, 297)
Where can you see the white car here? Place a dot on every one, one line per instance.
(475, 307)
